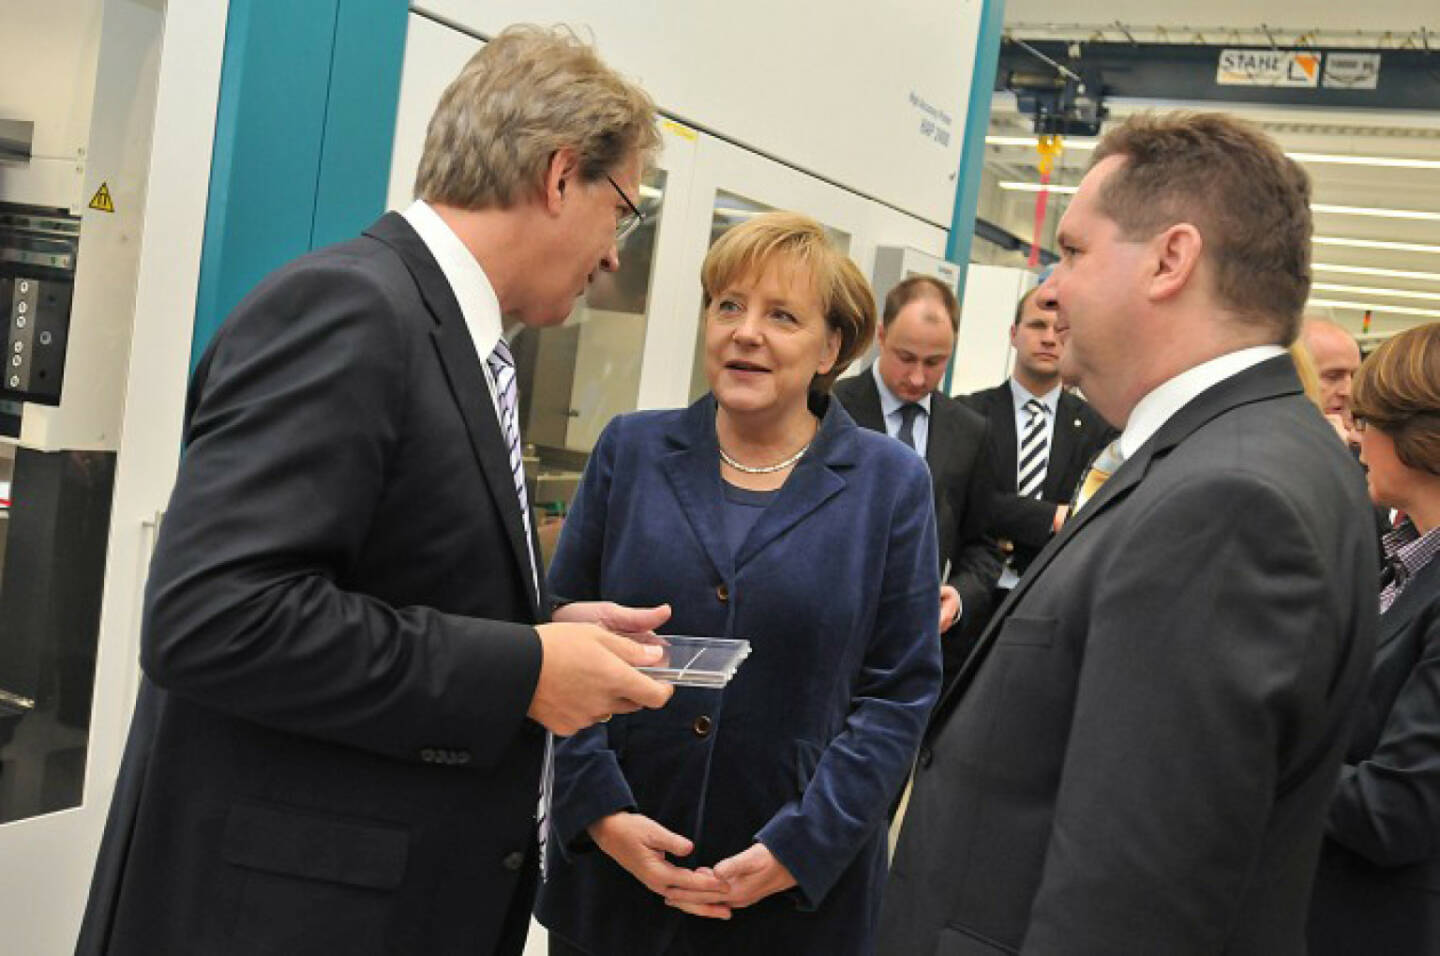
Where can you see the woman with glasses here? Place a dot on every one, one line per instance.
(1378, 885)
(752, 819)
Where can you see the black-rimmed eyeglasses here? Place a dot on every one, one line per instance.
(628, 222)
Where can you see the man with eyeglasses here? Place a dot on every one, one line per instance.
(340, 744)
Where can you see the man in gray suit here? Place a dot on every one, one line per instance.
(1139, 754)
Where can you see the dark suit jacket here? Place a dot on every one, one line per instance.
(1139, 755)
(955, 452)
(330, 752)
(807, 746)
(1378, 886)
(1080, 433)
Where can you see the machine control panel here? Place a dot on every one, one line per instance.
(37, 319)
(37, 284)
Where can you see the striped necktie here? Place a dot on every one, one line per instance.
(1105, 464)
(1034, 451)
(502, 366)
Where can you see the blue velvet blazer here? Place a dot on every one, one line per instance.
(837, 590)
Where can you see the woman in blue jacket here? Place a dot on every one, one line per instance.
(753, 818)
(1378, 886)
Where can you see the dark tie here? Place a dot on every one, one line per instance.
(908, 413)
(1034, 451)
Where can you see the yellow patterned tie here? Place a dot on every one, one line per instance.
(1105, 464)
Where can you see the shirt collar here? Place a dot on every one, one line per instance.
(1407, 551)
(1021, 395)
(479, 305)
(1163, 401)
(889, 402)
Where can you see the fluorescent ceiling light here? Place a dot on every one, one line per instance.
(1314, 207)
(1372, 271)
(1370, 290)
(1339, 159)
(1373, 307)
(1375, 244)
(1393, 162)
(1036, 187)
(1030, 141)
(1373, 211)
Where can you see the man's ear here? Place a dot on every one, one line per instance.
(1176, 260)
(561, 174)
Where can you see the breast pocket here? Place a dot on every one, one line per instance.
(310, 883)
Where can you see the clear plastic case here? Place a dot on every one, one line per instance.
(698, 661)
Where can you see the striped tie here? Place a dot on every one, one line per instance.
(1034, 451)
(502, 366)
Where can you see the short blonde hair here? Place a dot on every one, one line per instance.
(527, 93)
(846, 299)
(1397, 390)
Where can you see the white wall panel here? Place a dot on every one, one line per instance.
(983, 355)
(840, 90)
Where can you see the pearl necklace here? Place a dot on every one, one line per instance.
(763, 469)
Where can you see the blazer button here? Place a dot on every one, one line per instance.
(513, 861)
(701, 726)
(723, 592)
(927, 757)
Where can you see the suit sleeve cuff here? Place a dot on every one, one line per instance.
(594, 792)
(784, 836)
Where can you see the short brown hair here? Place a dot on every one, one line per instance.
(1020, 305)
(527, 93)
(1250, 202)
(845, 296)
(909, 289)
(1398, 391)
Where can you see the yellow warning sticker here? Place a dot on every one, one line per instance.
(684, 132)
(102, 200)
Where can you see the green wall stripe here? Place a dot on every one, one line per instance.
(302, 139)
(360, 124)
(972, 151)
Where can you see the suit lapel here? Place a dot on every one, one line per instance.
(693, 470)
(466, 379)
(866, 409)
(1064, 447)
(1411, 601)
(942, 438)
(810, 485)
(1269, 379)
(1002, 426)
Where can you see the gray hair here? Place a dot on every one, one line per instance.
(529, 92)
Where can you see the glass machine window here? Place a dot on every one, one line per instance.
(575, 377)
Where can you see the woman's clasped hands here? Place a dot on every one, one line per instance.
(642, 847)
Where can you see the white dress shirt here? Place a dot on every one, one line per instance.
(890, 405)
(1163, 401)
